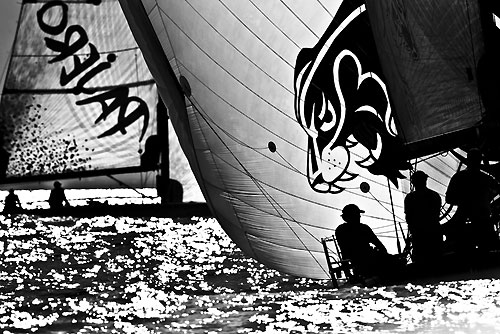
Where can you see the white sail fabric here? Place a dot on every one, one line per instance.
(78, 96)
(430, 51)
(285, 120)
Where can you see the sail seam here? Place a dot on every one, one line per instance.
(269, 198)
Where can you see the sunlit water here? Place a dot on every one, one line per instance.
(109, 275)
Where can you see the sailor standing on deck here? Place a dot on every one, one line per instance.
(422, 208)
(472, 190)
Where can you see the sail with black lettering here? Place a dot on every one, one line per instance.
(78, 98)
(286, 114)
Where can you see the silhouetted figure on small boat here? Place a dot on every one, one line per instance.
(57, 198)
(169, 190)
(422, 209)
(12, 203)
(361, 246)
(4, 159)
(472, 190)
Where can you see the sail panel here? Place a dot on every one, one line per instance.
(78, 96)
(281, 139)
(429, 51)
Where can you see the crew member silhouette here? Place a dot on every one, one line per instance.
(422, 209)
(359, 244)
(472, 190)
(57, 197)
(12, 203)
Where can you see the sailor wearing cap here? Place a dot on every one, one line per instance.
(359, 244)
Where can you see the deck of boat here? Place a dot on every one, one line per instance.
(172, 210)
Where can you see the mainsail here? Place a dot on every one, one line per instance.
(78, 98)
(283, 111)
(430, 51)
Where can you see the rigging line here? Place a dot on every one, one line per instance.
(130, 187)
(271, 201)
(437, 181)
(272, 214)
(254, 121)
(440, 172)
(225, 70)
(257, 150)
(277, 206)
(206, 117)
(384, 226)
(292, 167)
(274, 24)
(383, 206)
(433, 166)
(245, 115)
(423, 159)
(315, 252)
(256, 36)
(394, 216)
(326, 10)
(300, 20)
(241, 52)
(446, 163)
(287, 193)
(347, 189)
(192, 108)
(160, 11)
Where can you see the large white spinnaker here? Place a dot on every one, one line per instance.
(283, 113)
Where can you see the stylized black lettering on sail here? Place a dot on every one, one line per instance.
(342, 102)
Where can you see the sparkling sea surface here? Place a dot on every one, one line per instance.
(123, 275)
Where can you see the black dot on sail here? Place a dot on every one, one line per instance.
(365, 187)
(111, 57)
(272, 146)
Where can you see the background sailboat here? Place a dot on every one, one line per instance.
(78, 101)
(284, 113)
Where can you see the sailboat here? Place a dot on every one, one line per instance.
(289, 110)
(79, 102)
